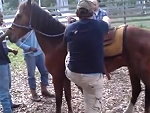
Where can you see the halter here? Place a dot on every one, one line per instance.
(29, 27)
(22, 26)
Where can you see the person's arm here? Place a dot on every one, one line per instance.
(71, 19)
(25, 47)
(106, 19)
(3, 35)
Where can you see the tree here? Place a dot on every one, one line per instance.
(12, 3)
(46, 3)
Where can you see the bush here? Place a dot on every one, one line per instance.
(8, 10)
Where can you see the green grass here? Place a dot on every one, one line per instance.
(16, 60)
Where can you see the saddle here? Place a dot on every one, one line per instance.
(113, 42)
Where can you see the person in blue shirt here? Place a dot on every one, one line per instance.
(5, 74)
(34, 57)
(99, 13)
(85, 58)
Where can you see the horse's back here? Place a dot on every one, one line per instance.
(137, 40)
(137, 51)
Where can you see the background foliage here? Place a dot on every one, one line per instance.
(12, 4)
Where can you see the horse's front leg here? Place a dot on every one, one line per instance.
(136, 89)
(58, 86)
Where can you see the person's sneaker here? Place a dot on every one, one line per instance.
(36, 98)
(15, 106)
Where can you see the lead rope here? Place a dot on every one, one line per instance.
(24, 42)
(30, 28)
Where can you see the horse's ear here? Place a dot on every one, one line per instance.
(29, 2)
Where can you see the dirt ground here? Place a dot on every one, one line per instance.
(116, 95)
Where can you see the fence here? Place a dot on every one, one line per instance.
(119, 12)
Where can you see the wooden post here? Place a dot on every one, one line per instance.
(40, 3)
(143, 7)
(1, 6)
(124, 12)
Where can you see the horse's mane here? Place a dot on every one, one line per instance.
(44, 22)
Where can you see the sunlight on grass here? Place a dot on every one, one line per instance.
(17, 60)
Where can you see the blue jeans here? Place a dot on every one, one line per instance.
(5, 84)
(39, 62)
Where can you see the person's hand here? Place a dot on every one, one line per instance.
(32, 49)
(106, 19)
(71, 19)
(15, 52)
(7, 33)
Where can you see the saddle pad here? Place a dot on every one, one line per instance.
(116, 47)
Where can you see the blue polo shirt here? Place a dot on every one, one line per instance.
(84, 40)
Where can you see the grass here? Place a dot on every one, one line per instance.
(18, 60)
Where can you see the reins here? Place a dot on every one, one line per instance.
(22, 26)
(30, 28)
(24, 42)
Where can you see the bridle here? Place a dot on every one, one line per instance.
(21, 26)
(29, 27)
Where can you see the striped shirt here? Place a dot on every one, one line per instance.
(100, 14)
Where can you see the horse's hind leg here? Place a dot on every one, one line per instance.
(136, 89)
(67, 88)
(147, 99)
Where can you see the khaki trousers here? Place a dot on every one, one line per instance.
(92, 85)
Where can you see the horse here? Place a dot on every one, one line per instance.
(135, 54)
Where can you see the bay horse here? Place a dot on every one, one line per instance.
(49, 32)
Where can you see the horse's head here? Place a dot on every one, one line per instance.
(21, 23)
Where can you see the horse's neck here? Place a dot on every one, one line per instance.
(49, 44)
(48, 26)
